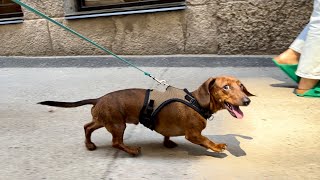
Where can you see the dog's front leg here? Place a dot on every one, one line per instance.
(196, 138)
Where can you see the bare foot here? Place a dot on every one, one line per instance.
(288, 57)
(306, 84)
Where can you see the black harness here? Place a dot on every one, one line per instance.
(148, 113)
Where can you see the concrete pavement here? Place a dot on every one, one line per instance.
(277, 139)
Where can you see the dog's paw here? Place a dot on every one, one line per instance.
(91, 146)
(170, 144)
(135, 151)
(220, 147)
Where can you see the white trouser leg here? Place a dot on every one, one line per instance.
(308, 43)
(298, 43)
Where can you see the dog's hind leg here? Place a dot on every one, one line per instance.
(88, 129)
(168, 143)
(117, 131)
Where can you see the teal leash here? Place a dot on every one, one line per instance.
(87, 39)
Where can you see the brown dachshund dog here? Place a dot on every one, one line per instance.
(115, 109)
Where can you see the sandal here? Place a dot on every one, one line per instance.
(289, 69)
(314, 92)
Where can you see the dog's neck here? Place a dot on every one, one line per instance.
(213, 106)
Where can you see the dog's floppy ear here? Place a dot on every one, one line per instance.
(202, 94)
(244, 89)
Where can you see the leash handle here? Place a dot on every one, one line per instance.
(85, 38)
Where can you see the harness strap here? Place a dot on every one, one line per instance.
(148, 114)
(145, 113)
(206, 113)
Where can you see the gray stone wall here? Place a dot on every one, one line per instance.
(260, 26)
(205, 27)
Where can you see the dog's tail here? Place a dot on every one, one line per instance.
(69, 104)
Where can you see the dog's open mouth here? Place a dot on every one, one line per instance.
(234, 110)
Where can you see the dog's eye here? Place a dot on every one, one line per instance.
(226, 87)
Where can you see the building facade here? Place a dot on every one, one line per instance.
(225, 27)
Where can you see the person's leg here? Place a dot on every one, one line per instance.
(289, 59)
(292, 55)
(289, 56)
(309, 63)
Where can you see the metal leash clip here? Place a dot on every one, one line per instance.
(163, 82)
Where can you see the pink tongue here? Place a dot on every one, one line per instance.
(238, 113)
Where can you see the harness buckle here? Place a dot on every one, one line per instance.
(191, 99)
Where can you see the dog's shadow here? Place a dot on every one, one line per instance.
(156, 149)
(233, 146)
(232, 142)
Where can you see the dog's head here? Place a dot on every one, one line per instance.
(223, 92)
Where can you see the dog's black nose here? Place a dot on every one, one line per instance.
(246, 101)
